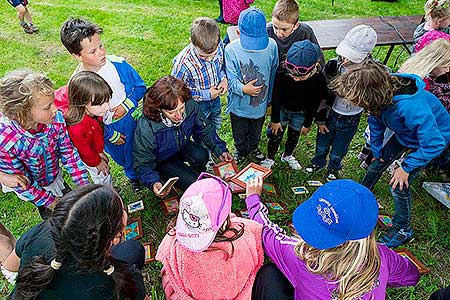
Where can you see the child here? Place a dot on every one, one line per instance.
(296, 97)
(200, 66)
(335, 255)
(210, 253)
(393, 102)
(335, 131)
(23, 13)
(251, 63)
(437, 17)
(89, 95)
(82, 39)
(34, 140)
(78, 253)
(230, 10)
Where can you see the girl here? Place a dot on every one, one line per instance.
(210, 254)
(88, 102)
(77, 253)
(296, 97)
(336, 255)
(437, 17)
(393, 102)
(162, 141)
(34, 139)
(432, 63)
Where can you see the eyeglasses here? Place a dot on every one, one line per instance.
(224, 184)
(298, 70)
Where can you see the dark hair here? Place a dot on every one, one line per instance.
(75, 30)
(83, 226)
(84, 88)
(164, 94)
(205, 34)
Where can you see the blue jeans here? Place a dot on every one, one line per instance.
(341, 131)
(295, 119)
(212, 111)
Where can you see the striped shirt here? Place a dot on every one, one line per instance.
(199, 74)
(37, 157)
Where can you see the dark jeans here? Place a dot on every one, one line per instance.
(341, 131)
(246, 133)
(132, 252)
(220, 17)
(442, 294)
(271, 284)
(196, 157)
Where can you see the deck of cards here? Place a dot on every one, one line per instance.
(298, 190)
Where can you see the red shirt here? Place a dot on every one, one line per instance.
(87, 137)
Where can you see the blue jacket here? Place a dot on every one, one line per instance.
(154, 142)
(420, 122)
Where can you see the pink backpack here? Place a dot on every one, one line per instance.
(232, 9)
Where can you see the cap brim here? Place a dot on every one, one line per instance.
(310, 230)
(344, 50)
(254, 43)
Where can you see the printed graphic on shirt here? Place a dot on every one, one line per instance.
(251, 72)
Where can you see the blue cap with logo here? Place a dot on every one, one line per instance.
(252, 28)
(339, 211)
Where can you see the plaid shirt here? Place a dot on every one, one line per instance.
(200, 75)
(37, 157)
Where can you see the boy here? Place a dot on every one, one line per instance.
(82, 39)
(200, 66)
(336, 131)
(420, 122)
(23, 13)
(251, 63)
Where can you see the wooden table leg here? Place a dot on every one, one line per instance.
(388, 54)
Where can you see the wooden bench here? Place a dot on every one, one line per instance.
(391, 31)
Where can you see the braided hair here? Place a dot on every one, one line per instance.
(83, 227)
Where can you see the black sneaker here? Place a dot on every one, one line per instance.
(332, 175)
(312, 168)
(257, 154)
(136, 185)
(26, 28)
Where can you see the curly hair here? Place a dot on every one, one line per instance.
(74, 31)
(164, 94)
(19, 90)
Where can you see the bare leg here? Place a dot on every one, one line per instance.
(4, 231)
(28, 16)
(21, 12)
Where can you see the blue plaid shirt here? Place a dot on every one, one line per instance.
(199, 74)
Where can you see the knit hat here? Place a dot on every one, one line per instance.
(252, 27)
(339, 211)
(358, 43)
(302, 56)
(203, 208)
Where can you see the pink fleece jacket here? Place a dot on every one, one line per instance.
(212, 274)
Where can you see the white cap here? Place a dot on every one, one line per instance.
(358, 43)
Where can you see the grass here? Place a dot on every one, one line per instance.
(149, 34)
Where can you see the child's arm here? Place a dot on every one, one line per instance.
(113, 136)
(377, 129)
(87, 153)
(273, 71)
(233, 73)
(402, 272)
(278, 246)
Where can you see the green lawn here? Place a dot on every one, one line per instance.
(149, 34)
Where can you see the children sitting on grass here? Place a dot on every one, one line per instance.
(421, 125)
(251, 63)
(82, 39)
(34, 140)
(338, 125)
(335, 255)
(296, 97)
(23, 14)
(210, 253)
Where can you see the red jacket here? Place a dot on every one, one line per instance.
(87, 137)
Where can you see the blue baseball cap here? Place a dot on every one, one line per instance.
(339, 211)
(252, 28)
(303, 54)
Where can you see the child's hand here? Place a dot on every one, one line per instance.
(103, 168)
(305, 130)
(226, 157)
(275, 127)
(119, 112)
(14, 180)
(251, 89)
(224, 85)
(215, 91)
(121, 140)
(254, 186)
(399, 178)
(157, 186)
(104, 157)
(323, 129)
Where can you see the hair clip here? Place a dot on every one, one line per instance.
(55, 265)
(110, 270)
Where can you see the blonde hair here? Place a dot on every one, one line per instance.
(354, 265)
(19, 90)
(437, 9)
(286, 11)
(422, 63)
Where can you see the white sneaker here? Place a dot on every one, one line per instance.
(292, 162)
(267, 163)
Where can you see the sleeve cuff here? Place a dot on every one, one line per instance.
(128, 104)
(115, 137)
